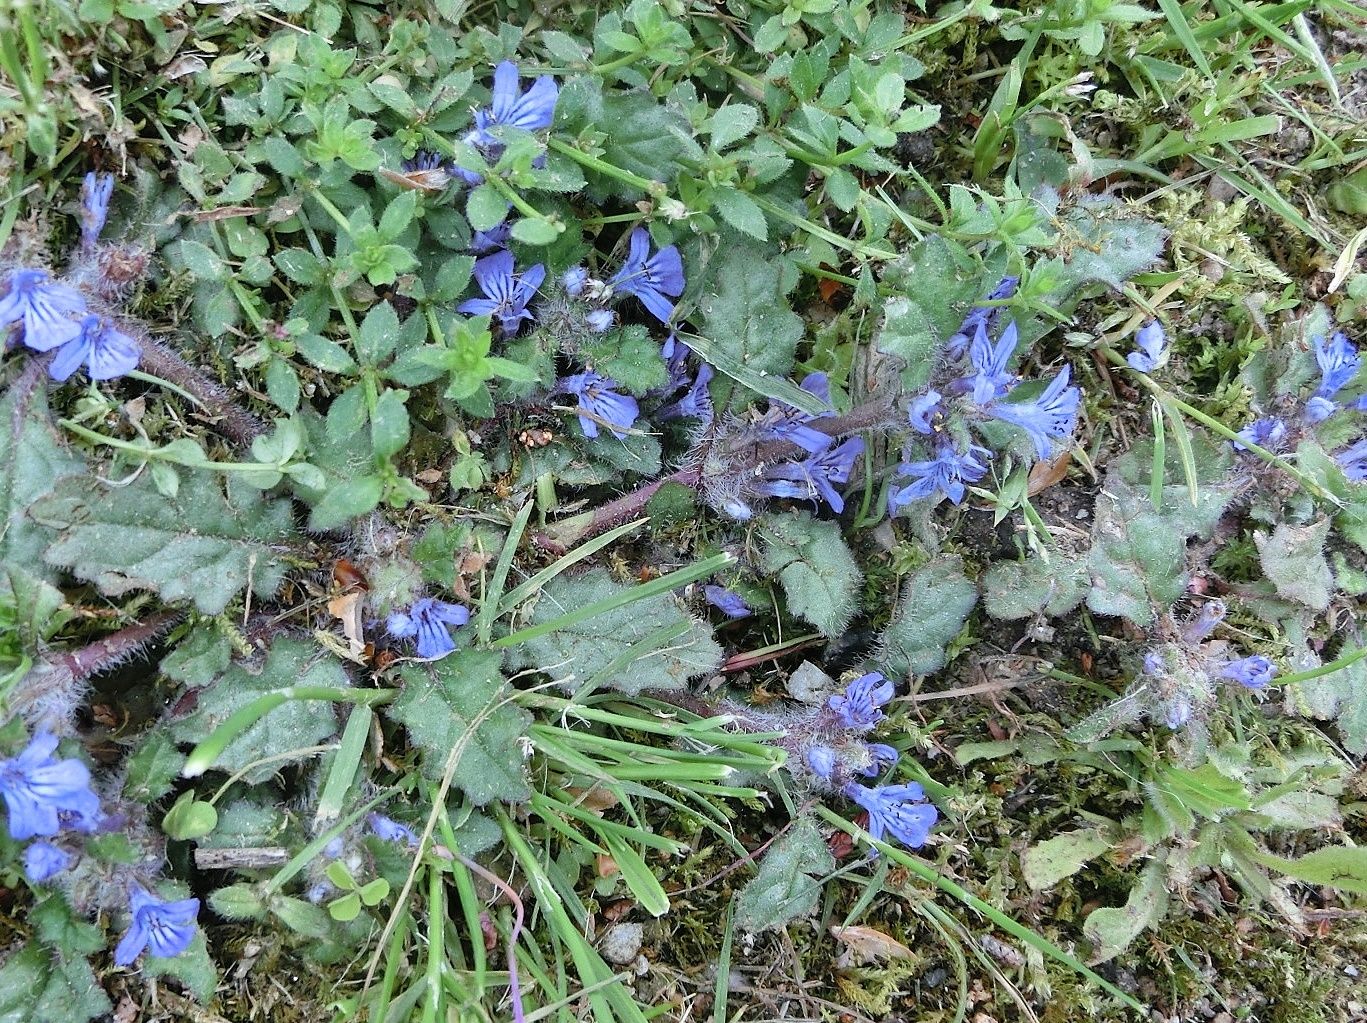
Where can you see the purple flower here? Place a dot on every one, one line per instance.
(992, 380)
(1153, 663)
(881, 757)
(816, 477)
(726, 602)
(1153, 348)
(696, 404)
(1353, 461)
(600, 404)
(896, 810)
(106, 352)
(1212, 613)
(923, 411)
(43, 860)
(1268, 432)
(1250, 672)
(946, 474)
(858, 706)
(40, 791)
(599, 320)
(1338, 361)
(96, 191)
(507, 293)
(574, 280)
(167, 928)
(485, 242)
(428, 619)
(1045, 419)
(43, 307)
(652, 279)
(821, 761)
(981, 316)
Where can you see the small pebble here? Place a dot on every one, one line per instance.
(621, 943)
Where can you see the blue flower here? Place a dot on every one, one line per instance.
(574, 280)
(424, 160)
(652, 279)
(1250, 672)
(600, 404)
(1047, 418)
(696, 404)
(391, 830)
(484, 242)
(106, 352)
(40, 790)
(334, 849)
(1338, 361)
(858, 706)
(946, 474)
(1212, 613)
(784, 422)
(1268, 432)
(896, 810)
(1319, 408)
(529, 111)
(507, 293)
(821, 761)
(428, 619)
(992, 380)
(1153, 663)
(981, 316)
(1153, 348)
(43, 307)
(1353, 461)
(1177, 712)
(599, 320)
(43, 860)
(167, 928)
(816, 477)
(96, 191)
(923, 412)
(726, 602)
(881, 757)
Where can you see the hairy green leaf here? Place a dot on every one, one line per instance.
(32, 462)
(934, 605)
(815, 567)
(788, 883)
(1020, 589)
(1293, 560)
(293, 725)
(1138, 560)
(459, 706)
(201, 545)
(648, 644)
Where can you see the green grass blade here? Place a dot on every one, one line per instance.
(344, 765)
(488, 608)
(1177, 21)
(525, 589)
(655, 587)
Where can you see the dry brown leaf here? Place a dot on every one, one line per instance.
(346, 607)
(1044, 475)
(867, 945)
(607, 866)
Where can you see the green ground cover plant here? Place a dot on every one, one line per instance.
(664, 510)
